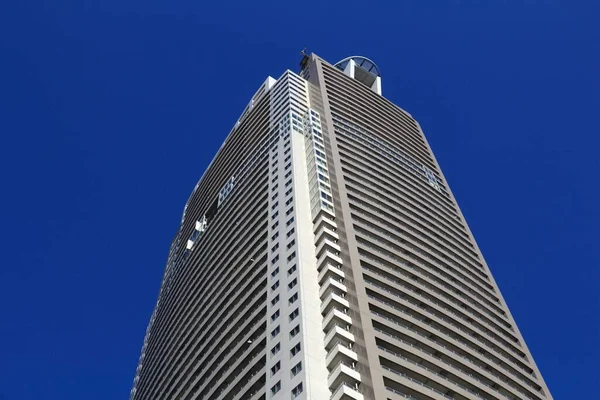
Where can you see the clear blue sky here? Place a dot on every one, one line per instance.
(110, 111)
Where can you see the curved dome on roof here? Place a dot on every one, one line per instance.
(360, 61)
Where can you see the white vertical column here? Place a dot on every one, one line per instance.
(349, 70)
(315, 368)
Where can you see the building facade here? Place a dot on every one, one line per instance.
(322, 255)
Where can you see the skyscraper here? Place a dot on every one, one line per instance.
(322, 255)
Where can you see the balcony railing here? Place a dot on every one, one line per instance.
(512, 374)
(498, 345)
(346, 384)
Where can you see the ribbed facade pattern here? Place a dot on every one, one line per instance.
(207, 335)
(322, 255)
(436, 324)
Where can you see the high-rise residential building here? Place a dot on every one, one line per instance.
(322, 256)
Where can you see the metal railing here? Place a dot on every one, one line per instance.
(446, 348)
(497, 347)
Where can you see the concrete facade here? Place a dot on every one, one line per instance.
(322, 255)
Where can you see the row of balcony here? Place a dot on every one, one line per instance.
(343, 380)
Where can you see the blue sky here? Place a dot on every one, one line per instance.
(111, 110)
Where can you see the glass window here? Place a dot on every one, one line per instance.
(296, 369)
(293, 283)
(295, 350)
(275, 349)
(292, 269)
(297, 391)
(295, 331)
(275, 331)
(275, 368)
(276, 388)
(291, 256)
(275, 300)
(275, 315)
